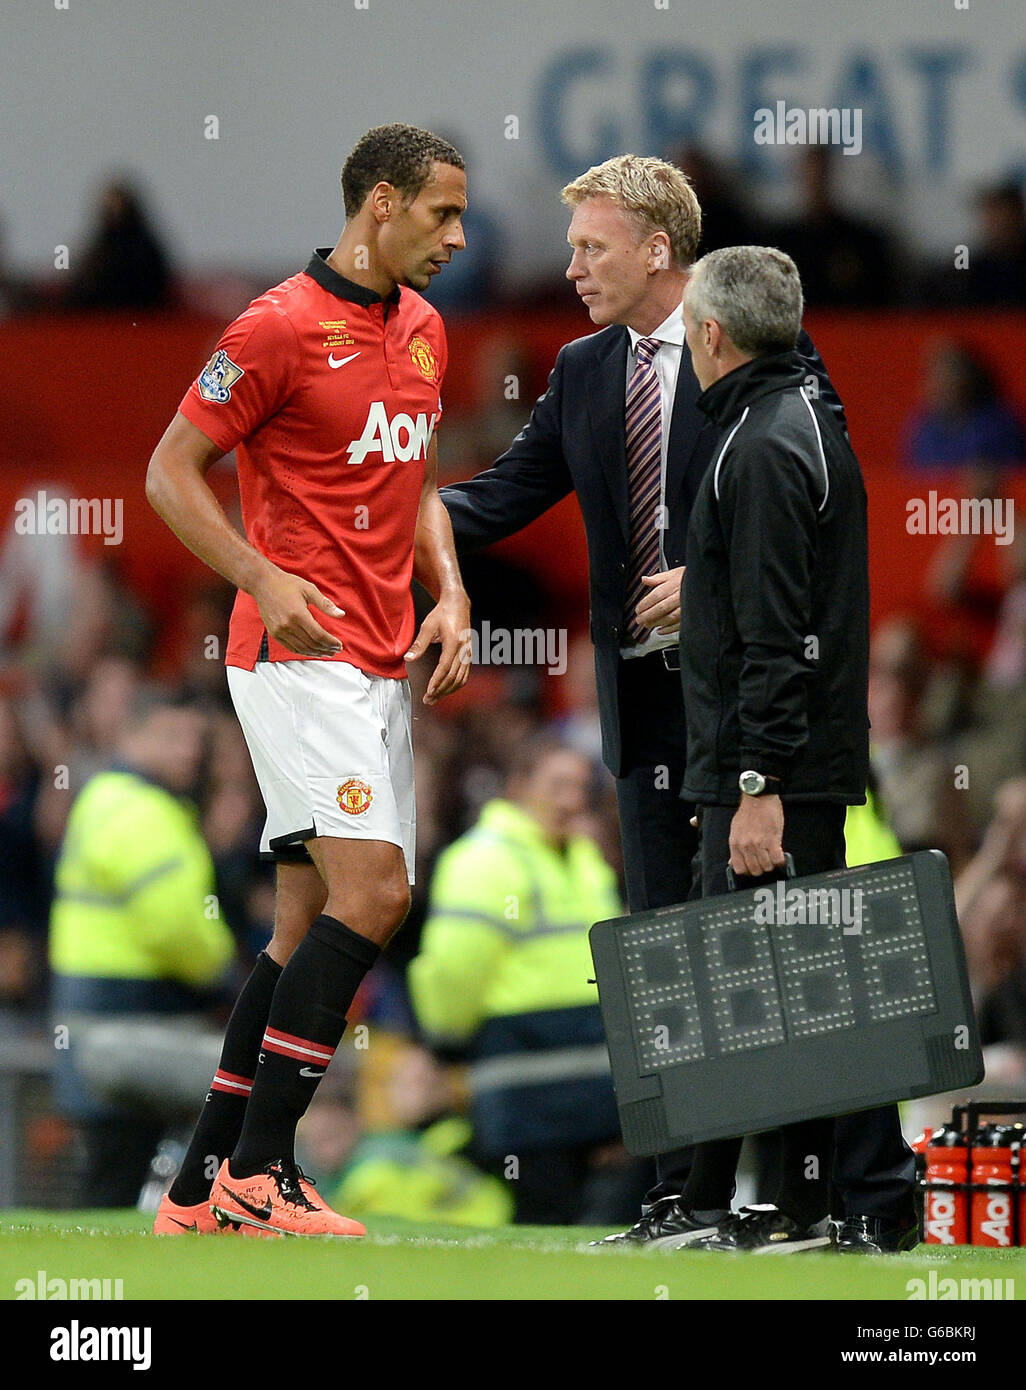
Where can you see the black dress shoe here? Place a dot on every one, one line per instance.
(666, 1226)
(765, 1230)
(874, 1235)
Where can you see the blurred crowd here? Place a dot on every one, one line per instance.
(949, 753)
(83, 693)
(949, 749)
(849, 256)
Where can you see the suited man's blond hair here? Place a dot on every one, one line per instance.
(656, 196)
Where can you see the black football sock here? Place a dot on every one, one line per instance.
(306, 1022)
(220, 1123)
(806, 1159)
(710, 1184)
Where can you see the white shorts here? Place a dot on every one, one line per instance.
(332, 751)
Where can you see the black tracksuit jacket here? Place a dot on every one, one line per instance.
(775, 615)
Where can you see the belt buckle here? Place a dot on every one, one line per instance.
(671, 658)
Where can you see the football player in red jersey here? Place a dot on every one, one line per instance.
(327, 388)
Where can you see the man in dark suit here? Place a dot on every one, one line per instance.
(618, 425)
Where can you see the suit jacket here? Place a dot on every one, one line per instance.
(575, 441)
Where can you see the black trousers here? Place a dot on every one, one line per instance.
(659, 841)
(570, 1187)
(117, 1159)
(871, 1167)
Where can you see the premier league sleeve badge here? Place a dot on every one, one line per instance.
(218, 377)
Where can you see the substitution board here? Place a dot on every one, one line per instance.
(815, 996)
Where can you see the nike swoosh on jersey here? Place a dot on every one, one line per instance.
(306, 1071)
(342, 363)
(262, 1213)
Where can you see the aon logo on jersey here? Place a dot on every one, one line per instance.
(402, 438)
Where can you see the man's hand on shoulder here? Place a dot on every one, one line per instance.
(756, 836)
(284, 601)
(447, 623)
(660, 608)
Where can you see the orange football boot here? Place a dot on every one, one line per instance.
(279, 1200)
(173, 1220)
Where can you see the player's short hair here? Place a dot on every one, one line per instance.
(657, 197)
(753, 292)
(401, 155)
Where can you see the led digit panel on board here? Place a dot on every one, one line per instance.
(778, 1003)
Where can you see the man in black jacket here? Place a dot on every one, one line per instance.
(618, 425)
(774, 666)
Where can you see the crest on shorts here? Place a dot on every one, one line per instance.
(218, 377)
(423, 357)
(354, 797)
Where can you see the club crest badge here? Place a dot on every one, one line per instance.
(354, 797)
(423, 357)
(218, 377)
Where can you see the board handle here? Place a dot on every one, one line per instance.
(788, 873)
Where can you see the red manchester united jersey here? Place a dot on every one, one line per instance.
(329, 396)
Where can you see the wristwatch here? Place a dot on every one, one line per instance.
(754, 783)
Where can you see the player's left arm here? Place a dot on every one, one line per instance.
(435, 566)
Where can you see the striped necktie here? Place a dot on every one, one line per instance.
(644, 421)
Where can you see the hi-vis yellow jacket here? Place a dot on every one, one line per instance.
(867, 836)
(134, 893)
(507, 927)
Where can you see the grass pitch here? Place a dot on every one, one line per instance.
(404, 1260)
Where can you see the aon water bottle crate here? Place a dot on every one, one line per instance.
(974, 1177)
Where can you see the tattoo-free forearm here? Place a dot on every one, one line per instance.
(434, 550)
(178, 491)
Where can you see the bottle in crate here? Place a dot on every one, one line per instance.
(992, 1210)
(1019, 1179)
(945, 1188)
